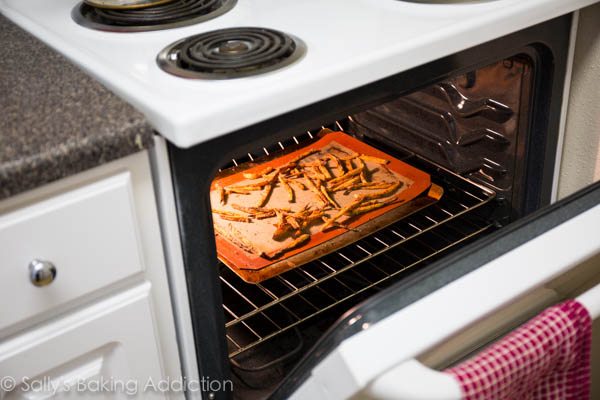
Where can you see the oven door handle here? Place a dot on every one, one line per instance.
(412, 380)
(591, 301)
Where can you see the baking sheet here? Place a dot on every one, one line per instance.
(415, 193)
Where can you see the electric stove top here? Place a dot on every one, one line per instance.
(338, 45)
(162, 16)
(230, 53)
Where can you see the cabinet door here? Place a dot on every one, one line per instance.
(89, 235)
(106, 351)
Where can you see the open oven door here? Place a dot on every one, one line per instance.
(380, 348)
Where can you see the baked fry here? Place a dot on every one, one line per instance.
(363, 172)
(232, 216)
(225, 212)
(362, 186)
(330, 199)
(317, 173)
(373, 205)
(346, 184)
(292, 221)
(349, 165)
(341, 226)
(265, 195)
(299, 184)
(344, 211)
(264, 215)
(309, 219)
(349, 174)
(302, 239)
(258, 210)
(325, 172)
(373, 159)
(256, 175)
(337, 164)
(236, 218)
(222, 195)
(312, 187)
(288, 188)
(384, 193)
(242, 189)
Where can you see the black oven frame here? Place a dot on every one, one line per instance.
(547, 44)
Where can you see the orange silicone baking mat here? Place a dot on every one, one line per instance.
(416, 182)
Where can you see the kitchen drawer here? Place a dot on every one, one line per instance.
(90, 236)
(111, 342)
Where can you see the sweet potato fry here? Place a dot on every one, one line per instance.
(290, 246)
(265, 195)
(222, 194)
(264, 215)
(312, 187)
(258, 210)
(309, 219)
(346, 184)
(363, 172)
(236, 218)
(349, 165)
(225, 212)
(292, 221)
(337, 164)
(242, 189)
(354, 172)
(256, 175)
(373, 159)
(293, 173)
(288, 188)
(373, 205)
(384, 193)
(329, 198)
(232, 216)
(344, 211)
(325, 172)
(362, 186)
(299, 184)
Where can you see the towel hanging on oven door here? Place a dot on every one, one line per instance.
(412, 380)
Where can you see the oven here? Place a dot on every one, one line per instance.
(471, 94)
(484, 122)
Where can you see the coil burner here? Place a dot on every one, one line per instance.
(162, 16)
(230, 53)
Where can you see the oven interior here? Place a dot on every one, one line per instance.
(470, 133)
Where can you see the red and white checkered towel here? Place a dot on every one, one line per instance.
(546, 358)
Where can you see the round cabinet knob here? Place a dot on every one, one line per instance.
(41, 273)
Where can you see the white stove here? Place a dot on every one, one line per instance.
(348, 44)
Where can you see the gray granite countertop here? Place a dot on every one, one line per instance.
(56, 121)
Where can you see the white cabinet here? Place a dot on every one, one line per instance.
(88, 234)
(106, 351)
(103, 328)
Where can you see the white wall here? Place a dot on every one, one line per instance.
(581, 155)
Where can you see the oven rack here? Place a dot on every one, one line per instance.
(256, 313)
